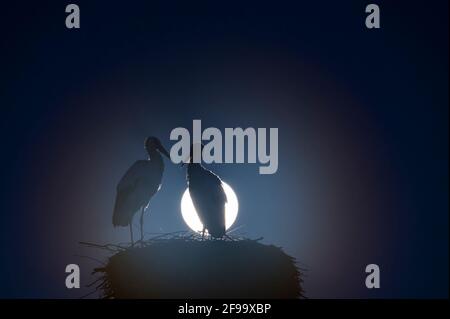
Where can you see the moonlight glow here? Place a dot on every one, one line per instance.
(190, 215)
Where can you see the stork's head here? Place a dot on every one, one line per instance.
(153, 144)
(196, 147)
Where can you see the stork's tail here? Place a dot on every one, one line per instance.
(122, 215)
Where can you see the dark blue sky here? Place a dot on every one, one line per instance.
(362, 117)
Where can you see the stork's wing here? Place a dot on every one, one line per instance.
(131, 177)
(127, 199)
(217, 192)
(209, 183)
(209, 199)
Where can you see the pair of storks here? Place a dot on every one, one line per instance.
(143, 180)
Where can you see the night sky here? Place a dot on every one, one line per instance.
(362, 118)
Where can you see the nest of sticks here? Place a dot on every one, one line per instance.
(183, 265)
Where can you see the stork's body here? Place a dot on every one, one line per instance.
(209, 198)
(138, 185)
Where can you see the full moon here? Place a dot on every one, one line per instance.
(190, 215)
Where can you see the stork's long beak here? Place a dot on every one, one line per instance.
(163, 151)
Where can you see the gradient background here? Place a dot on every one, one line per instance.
(362, 117)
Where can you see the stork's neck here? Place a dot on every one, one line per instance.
(154, 155)
(193, 167)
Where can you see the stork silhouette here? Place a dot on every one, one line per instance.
(208, 197)
(138, 185)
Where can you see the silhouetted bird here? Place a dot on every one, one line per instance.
(208, 197)
(138, 185)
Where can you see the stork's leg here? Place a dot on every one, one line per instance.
(131, 233)
(142, 224)
(203, 233)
